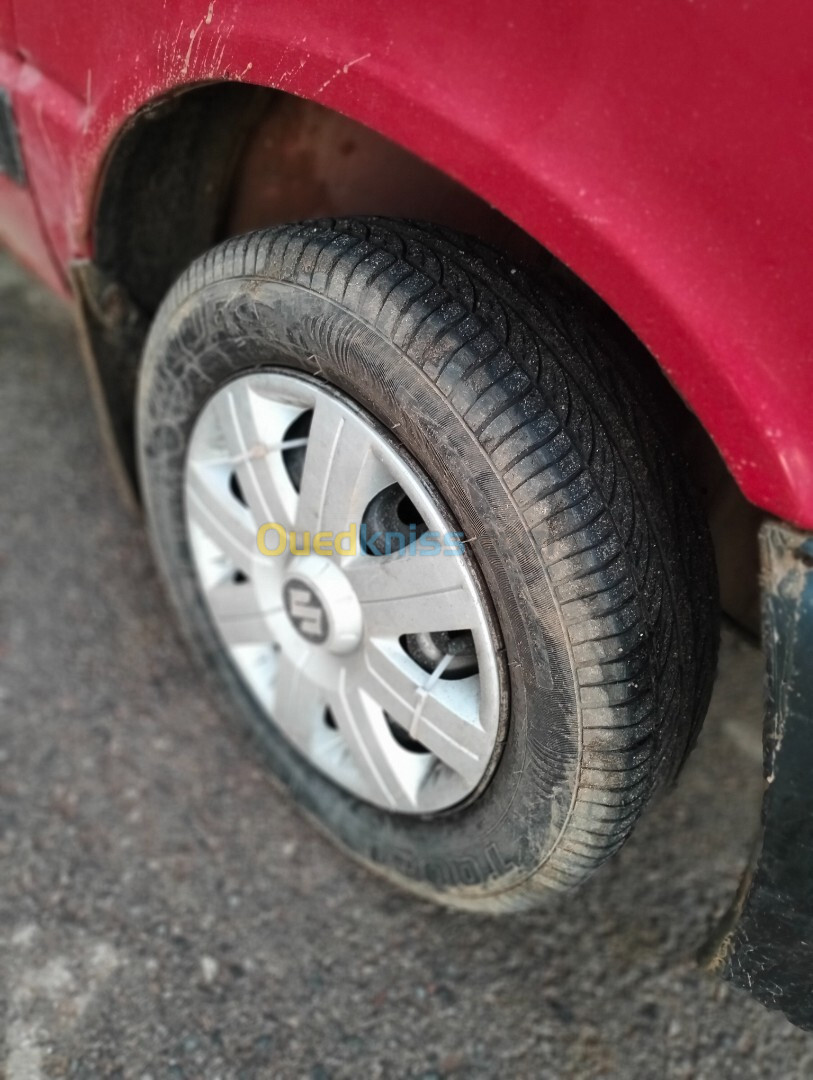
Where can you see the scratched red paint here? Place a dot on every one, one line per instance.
(663, 150)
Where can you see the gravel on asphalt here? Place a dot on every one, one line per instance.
(166, 913)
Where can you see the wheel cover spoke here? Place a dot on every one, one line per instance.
(342, 471)
(255, 455)
(212, 511)
(242, 616)
(441, 715)
(297, 705)
(374, 752)
(408, 593)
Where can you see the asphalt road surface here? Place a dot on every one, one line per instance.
(164, 912)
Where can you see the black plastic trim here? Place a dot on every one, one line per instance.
(765, 944)
(11, 158)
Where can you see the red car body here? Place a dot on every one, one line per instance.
(663, 151)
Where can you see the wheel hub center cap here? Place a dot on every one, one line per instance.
(321, 604)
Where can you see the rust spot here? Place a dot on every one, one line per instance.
(304, 161)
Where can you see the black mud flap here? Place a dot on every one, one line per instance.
(765, 944)
(112, 330)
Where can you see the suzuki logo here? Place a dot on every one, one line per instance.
(305, 611)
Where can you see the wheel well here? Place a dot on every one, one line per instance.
(221, 159)
(163, 191)
(216, 160)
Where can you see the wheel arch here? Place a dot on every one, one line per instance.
(186, 170)
(196, 165)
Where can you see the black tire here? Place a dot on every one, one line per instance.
(519, 406)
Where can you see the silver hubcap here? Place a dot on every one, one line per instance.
(378, 667)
